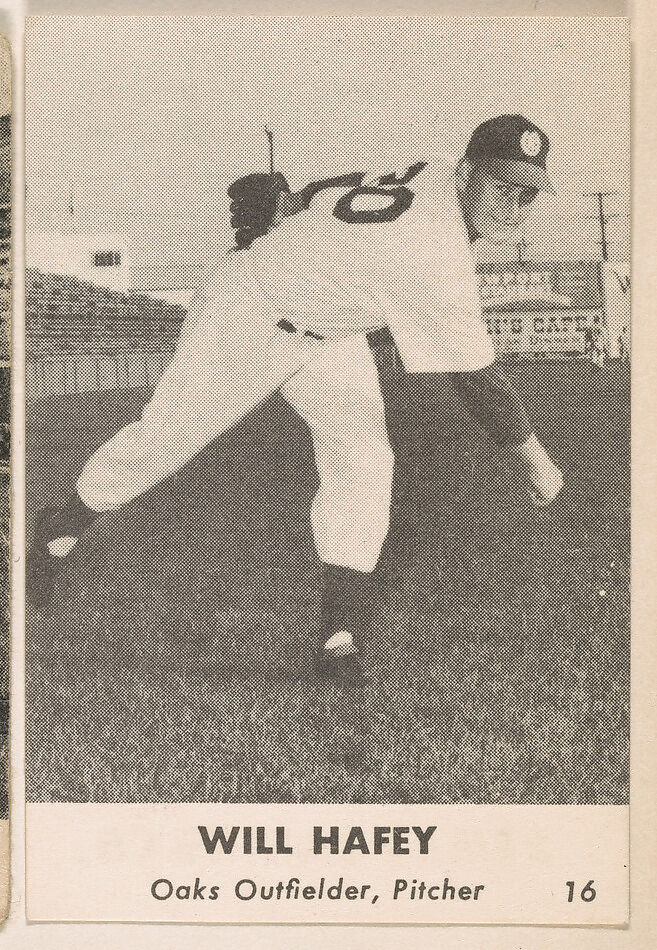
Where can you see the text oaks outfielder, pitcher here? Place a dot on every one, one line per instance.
(341, 258)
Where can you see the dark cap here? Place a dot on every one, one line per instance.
(513, 149)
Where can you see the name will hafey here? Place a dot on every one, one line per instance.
(329, 839)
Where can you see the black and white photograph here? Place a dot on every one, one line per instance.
(328, 411)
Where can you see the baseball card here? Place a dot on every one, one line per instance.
(327, 469)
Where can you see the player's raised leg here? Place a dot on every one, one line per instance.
(338, 395)
(214, 379)
(493, 400)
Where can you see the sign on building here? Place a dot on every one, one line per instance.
(561, 309)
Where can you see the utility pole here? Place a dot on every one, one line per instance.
(521, 246)
(602, 217)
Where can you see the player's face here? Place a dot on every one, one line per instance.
(494, 209)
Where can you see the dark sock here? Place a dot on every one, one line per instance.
(70, 521)
(346, 600)
(494, 402)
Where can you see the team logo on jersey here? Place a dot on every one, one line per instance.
(530, 143)
(391, 188)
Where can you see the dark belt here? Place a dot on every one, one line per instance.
(290, 328)
(379, 337)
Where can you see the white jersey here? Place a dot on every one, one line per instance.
(370, 252)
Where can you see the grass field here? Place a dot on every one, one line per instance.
(177, 667)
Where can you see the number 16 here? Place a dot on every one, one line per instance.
(587, 893)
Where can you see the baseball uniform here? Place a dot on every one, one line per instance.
(291, 314)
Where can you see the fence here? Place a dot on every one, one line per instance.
(81, 338)
(82, 373)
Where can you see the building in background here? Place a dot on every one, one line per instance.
(100, 259)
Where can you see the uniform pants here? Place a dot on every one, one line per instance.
(215, 378)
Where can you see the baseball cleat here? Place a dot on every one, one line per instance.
(46, 560)
(338, 660)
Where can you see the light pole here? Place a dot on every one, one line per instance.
(521, 246)
(602, 217)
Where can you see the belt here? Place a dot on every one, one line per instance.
(290, 328)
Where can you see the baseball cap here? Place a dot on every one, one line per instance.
(513, 149)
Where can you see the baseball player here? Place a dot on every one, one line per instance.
(341, 258)
(500, 175)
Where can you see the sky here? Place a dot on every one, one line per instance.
(142, 122)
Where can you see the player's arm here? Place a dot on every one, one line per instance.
(437, 323)
(494, 402)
